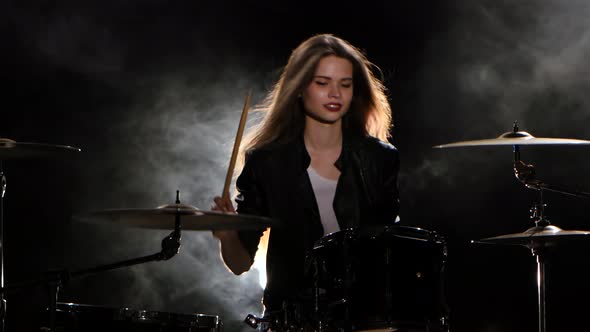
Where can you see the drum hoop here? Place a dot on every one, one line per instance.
(397, 231)
(141, 315)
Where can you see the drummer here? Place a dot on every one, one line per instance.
(318, 162)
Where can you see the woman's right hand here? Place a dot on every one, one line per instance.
(223, 204)
(234, 255)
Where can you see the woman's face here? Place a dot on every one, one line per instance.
(327, 97)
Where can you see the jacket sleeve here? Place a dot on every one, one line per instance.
(251, 201)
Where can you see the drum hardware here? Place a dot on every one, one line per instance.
(515, 138)
(91, 318)
(11, 150)
(299, 314)
(2, 300)
(289, 319)
(543, 235)
(254, 321)
(163, 216)
(178, 216)
(55, 279)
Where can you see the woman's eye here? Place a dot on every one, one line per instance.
(320, 83)
(347, 85)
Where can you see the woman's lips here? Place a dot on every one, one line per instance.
(333, 107)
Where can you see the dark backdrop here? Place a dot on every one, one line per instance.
(151, 91)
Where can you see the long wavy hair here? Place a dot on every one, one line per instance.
(284, 118)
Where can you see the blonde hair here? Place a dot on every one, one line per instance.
(284, 119)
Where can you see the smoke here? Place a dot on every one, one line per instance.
(176, 137)
(167, 98)
(488, 64)
(493, 63)
(517, 55)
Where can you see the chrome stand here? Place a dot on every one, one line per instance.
(526, 174)
(2, 300)
(540, 289)
(57, 278)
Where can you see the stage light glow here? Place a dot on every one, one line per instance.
(260, 259)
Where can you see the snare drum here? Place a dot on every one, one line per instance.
(72, 317)
(381, 278)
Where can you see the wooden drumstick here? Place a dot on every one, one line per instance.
(234, 155)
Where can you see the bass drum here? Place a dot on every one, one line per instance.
(72, 317)
(380, 278)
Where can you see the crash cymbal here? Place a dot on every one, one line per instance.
(163, 217)
(10, 149)
(515, 138)
(538, 236)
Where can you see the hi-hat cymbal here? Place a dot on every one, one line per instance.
(538, 237)
(515, 138)
(163, 217)
(10, 149)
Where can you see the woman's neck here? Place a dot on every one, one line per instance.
(322, 136)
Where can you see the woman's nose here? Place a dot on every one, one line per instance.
(334, 91)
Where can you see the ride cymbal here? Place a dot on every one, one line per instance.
(10, 149)
(163, 217)
(515, 138)
(538, 236)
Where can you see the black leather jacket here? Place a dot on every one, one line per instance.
(274, 183)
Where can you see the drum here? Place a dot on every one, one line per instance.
(380, 278)
(72, 317)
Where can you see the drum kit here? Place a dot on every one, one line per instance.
(374, 278)
(69, 317)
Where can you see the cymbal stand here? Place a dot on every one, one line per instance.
(55, 279)
(525, 173)
(2, 300)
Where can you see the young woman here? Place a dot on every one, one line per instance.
(317, 163)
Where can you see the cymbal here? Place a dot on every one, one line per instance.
(163, 217)
(10, 149)
(538, 236)
(515, 138)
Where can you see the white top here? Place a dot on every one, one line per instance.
(324, 190)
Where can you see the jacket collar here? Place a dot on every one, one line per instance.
(349, 144)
